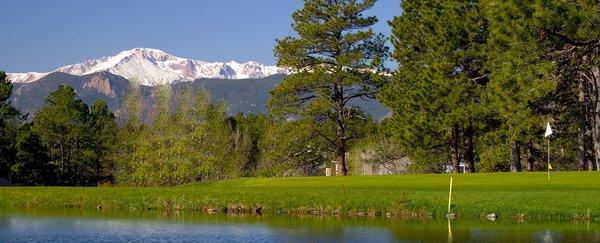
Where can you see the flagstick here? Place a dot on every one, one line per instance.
(548, 165)
(547, 135)
(450, 195)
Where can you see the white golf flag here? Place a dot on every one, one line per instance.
(548, 130)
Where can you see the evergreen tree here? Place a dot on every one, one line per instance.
(103, 132)
(292, 148)
(569, 31)
(437, 92)
(10, 120)
(32, 165)
(62, 127)
(336, 59)
(519, 83)
(252, 128)
(546, 54)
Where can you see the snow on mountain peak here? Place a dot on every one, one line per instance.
(155, 67)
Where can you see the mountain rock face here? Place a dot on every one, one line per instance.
(29, 97)
(151, 67)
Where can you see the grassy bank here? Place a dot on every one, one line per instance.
(568, 195)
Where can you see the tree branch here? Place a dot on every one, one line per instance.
(571, 41)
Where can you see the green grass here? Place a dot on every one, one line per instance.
(567, 196)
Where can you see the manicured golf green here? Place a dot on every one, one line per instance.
(530, 196)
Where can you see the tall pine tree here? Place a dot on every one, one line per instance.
(437, 91)
(10, 121)
(335, 59)
(546, 62)
(62, 126)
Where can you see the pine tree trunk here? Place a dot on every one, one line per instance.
(581, 150)
(594, 75)
(341, 155)
(454, 148)
(530, 155)
(468, 154)
(515, 155)
(586, 141)
(591, 124)
(581, 135)
(589, 150)
(341, 131)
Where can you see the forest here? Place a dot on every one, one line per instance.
(475, 84)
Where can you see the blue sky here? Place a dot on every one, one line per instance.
(41, 35)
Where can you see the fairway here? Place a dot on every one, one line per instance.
(530, 196)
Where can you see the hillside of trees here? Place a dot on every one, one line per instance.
(476, 83)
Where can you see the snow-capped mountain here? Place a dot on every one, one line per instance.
(155, 67)
(25, 77)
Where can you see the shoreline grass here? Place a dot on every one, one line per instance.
(520, 196)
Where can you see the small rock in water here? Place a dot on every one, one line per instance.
(492, 216)
(450, 215)
(388, 215)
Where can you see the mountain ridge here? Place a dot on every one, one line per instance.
(248, 96)
(152, 67)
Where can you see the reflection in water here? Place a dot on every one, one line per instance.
(449, 231)
(548, 237)
(91, 226)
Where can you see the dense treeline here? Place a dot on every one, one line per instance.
(478, 80)
(476, 83)
(188, 139)
(67, 143)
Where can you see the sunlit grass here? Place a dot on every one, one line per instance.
(567, 195)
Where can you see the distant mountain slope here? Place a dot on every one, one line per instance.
(242, 95)
(155, 67)
(29, 97)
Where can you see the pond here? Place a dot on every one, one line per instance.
(111, 226)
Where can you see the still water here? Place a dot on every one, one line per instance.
(105, 226)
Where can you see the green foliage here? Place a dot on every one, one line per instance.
(252, 129)
(520, 81)
(503, 68)
(290, 148)
(476, 82)
(196, 142)
(32, 164)
(61, 126)
(103, 131)
(10, 121)
(336, 58)
(441, 77)
(77, 140)
(539, 49)
(133, 105)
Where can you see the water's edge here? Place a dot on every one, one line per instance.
(114, 225)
